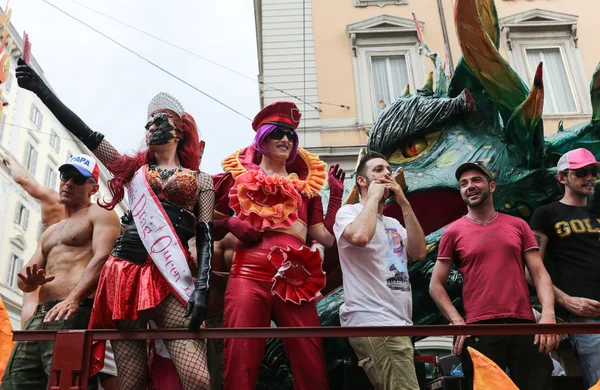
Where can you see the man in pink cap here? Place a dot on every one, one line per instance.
(569, 230)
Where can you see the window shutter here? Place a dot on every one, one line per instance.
(11, 267)
(47, 177)
(18, 266)
(26, 156)
(34, 154)
(25, 219)
(18, 213)
(57, 148)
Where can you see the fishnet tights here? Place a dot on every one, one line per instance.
(189, 356)
(131, 357)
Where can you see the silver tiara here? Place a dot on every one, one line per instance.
(164, 100)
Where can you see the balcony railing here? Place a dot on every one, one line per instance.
(72, 348)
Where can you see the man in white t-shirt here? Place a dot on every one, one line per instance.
(377, 292)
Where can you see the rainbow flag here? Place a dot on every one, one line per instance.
(6, 335)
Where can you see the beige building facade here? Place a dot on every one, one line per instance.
(337, 59)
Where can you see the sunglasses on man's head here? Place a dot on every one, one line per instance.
(78, 179)
(583, 172)
(279, 133)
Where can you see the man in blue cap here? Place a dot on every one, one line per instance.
(65, 267)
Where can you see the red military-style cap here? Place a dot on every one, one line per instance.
(278, 112)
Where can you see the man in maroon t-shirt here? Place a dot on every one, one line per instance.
(491, 251)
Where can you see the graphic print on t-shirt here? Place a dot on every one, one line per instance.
(396, 268)
(575, 226)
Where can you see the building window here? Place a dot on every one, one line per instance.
(22, 216)
(30, 158)
(390, 76)
(15, 264)
(558, 95)
(50, 177)
(538, 35)
(385, 58)
(35, 116)
(54, 141)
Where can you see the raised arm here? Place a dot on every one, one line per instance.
(198, 302)
(362, 230)
(106, 229)
(415, 246)
(317, 229)
(94, 141)
(322, 230)
(33, 188)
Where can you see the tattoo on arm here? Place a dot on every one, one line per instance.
(538, 239)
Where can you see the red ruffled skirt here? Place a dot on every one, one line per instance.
(124, 289)
(295, 271)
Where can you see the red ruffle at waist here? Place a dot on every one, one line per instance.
(296, 273)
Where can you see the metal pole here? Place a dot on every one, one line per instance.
(445, 32)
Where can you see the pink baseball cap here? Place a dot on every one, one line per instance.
(575, 159)
(86, 165)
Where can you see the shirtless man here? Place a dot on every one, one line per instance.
(65, 266)
(53, 211)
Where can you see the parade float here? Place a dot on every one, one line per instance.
(484, 112)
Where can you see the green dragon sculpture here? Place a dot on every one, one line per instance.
(484, 113)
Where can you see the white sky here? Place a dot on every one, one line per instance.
(110, 88)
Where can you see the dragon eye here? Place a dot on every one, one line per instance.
(412, 149)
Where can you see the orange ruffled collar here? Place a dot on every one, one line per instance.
(265, 201)
(307, 171)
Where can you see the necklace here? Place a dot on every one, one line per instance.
(166, 173)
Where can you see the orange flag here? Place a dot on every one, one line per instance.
(6, 335)
(487, 374)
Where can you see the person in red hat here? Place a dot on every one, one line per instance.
(273, 187)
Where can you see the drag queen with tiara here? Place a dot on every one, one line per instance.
(147, 276)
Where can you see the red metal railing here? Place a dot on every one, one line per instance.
(72, 348)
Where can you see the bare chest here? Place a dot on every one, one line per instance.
(73, 232)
